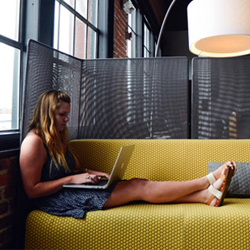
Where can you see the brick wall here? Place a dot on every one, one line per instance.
(9, 168)
(120, 27)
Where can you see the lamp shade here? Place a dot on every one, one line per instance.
(219, 28)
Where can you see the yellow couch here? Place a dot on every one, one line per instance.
(151, 226)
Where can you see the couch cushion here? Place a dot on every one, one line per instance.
(240, 186)
(145, 226)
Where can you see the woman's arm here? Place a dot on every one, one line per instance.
(32, 157)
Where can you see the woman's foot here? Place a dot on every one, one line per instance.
(217, 191)
(212, 177)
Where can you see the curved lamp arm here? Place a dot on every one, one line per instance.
(162, 26)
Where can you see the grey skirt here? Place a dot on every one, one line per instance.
(73, 202)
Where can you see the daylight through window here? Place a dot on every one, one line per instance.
(10, 51)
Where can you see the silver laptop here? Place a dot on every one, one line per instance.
(117, 172)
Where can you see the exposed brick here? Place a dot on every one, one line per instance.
(5, 235)
(5, 179)
(9, 170)
(7, 245)
(6, 221)
(8, 178)
(10, 192)
(9, 163)
(5, 164)
(120, 27)
(4, 207)
(11, 207)
(14, 162)
(2, 237)
(1, 194)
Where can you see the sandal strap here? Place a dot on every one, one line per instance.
(211, 178)
(217, 193)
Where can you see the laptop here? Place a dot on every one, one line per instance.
(117, 172)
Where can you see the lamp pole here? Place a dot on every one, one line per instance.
(162, 26)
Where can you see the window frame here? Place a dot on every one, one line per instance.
(10, 137)
(138, 34)
(82, 19)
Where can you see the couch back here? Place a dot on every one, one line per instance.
(161, 159)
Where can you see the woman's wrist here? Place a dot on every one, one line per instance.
(68, 180)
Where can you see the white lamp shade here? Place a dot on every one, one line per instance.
(219, 28)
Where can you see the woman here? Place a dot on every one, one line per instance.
(47, 164)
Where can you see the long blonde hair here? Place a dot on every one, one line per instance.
(43, 123)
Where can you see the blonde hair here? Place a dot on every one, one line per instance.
(43, 123)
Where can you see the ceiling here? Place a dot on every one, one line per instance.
(177, 19)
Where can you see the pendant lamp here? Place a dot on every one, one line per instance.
(219, 28)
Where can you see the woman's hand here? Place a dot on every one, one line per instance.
(102, 174)
(88, 177)
(97, 174)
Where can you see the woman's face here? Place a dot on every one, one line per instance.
(61, 116)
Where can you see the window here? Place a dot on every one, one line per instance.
(148, 41)
(131, 43)
(75, 27)
(142, 42)
(10, 66)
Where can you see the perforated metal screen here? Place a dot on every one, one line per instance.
(221, 98)
(112, 98)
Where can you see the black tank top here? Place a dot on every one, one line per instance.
(52, 172)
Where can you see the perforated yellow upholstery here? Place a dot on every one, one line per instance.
(150, 226)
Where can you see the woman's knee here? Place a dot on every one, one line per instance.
(138, 186)
(134, 186)
(138, 182)
(127, 191)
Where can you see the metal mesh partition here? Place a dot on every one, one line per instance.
(46, 69)
(134, 98)
(221, 104)
(112, 98)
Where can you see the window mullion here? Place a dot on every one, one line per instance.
(74, 35)
(74, 12)
(21, 22)
(11, 42)
(59, 24)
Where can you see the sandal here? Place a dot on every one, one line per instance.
(221, 193)
(211, 178)
(234, 166)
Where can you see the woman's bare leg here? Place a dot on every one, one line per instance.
(202, 195)
(163, 192)
(152, 191)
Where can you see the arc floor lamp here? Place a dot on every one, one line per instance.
(216, 28)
